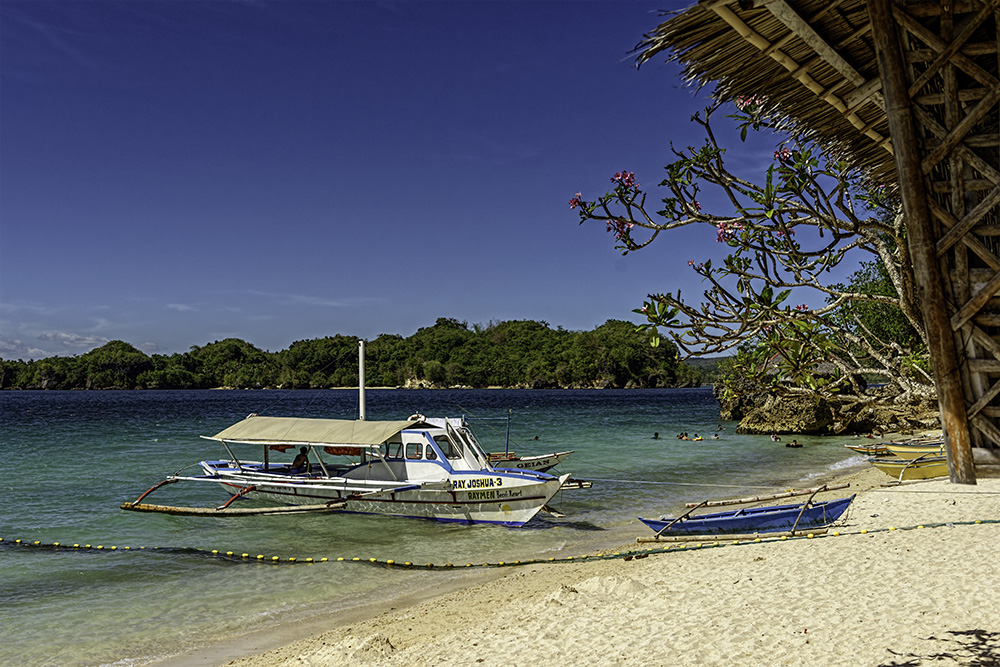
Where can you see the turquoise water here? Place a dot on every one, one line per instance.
(71, 458)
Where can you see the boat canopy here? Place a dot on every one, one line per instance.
(300, 431)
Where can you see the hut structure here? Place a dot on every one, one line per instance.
(910, 91)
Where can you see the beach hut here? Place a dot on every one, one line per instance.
(910, 91)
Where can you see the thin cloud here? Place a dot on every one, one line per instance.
(73, 341)
(15, 349)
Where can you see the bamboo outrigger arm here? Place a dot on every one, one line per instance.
(776, 496)
(231, 511)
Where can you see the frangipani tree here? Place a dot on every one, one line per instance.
(785, 234)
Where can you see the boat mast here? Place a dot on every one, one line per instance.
(361, 380)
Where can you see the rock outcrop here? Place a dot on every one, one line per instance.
(761, 410)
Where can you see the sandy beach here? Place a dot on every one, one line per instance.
(906, 578)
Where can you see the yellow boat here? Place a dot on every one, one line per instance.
(910, 451)
(918, 468)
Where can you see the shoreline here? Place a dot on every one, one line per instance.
(358, 635)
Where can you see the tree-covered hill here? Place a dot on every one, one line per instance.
(520, 353)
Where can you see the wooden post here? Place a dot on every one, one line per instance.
(927, 272)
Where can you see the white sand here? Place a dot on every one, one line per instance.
(882, 598)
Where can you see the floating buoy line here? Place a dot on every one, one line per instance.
(639, 553)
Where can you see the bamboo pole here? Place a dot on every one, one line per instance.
(926, 270)
(776, 496)
(230, 511)
(721, 537)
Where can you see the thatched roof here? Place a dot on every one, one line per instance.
(812, 61)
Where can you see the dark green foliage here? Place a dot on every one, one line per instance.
(884, 321)
(520, 353)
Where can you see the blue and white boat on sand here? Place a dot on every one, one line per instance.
(753, 520)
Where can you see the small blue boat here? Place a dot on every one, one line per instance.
(747, 521)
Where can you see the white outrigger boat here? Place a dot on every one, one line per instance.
(422, 467)
(538, 462)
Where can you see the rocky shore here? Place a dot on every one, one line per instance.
(762, 411)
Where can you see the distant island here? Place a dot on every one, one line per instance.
(450, 354)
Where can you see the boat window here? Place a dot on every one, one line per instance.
(394, 450)
(447, 447)
(413, 450)
(430, 454)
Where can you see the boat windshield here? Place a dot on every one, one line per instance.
(447, 447)
(464, 435)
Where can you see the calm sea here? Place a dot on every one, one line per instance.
(71, 458)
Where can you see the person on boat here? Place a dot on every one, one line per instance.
(301, 462)
(793, 443)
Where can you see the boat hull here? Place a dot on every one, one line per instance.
(509, 499)
(909, 452)
(540, 463)
(754, 520)
(903, 470)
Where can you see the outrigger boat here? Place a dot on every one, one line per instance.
(427, 468)
(754, 520)
(910, 451)
(871, 449)
(539, 463)
(926, 466)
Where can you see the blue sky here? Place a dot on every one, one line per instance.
(175, 173)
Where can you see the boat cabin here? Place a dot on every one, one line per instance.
(428, 449)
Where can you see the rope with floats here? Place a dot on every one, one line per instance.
(708, 542)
